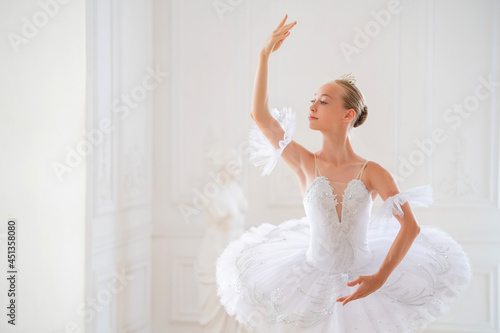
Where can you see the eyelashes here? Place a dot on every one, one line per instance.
(322, 102)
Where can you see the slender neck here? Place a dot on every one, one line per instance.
(337, 149)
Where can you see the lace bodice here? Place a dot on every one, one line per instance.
(338, 245)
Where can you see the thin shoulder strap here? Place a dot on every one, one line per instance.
(316, 167)
(360, 173)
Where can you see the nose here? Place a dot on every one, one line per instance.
(313, 107)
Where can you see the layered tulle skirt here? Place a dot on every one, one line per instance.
(264, 280)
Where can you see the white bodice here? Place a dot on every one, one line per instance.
(338, 245)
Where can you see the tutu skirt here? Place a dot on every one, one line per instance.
(264, 281)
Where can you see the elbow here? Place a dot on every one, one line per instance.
(260, 113)
(412, 230)
(254, 117)
(260, 119)
(415, 230)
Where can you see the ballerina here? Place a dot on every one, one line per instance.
(339, 268)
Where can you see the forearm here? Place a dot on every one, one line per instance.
(260, 107)
(399, 249)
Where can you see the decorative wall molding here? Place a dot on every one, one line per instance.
(182, 271)
(122, 238)
(494, 114)
(105, 319)
(461, 181)
(113, 315)
(491, 138)
(119, 226)
(163, 233)
(490, 325)
(131, 299)
(177, 174)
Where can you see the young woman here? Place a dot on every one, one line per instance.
(339, 268)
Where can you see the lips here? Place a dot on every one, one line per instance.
(311, 117)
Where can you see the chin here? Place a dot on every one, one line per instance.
(313, 127)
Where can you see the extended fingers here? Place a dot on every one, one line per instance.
(282, 21)
(285, 28)
(354, 282)
(355, 295)
(348, 299)
(341, 299)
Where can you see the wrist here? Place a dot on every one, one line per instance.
(381, 276)
(263, 55)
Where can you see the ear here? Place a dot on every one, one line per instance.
(349, 115)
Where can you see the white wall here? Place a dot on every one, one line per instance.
(122, 79)
(84, 241)
(428, 57)
(42, 113)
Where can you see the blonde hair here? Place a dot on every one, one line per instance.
(353, 99)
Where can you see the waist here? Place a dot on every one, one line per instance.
(338, 258)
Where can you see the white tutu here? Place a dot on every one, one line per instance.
(263, 279)
(287, 277)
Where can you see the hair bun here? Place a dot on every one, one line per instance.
(362, 117)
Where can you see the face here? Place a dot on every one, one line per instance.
(328, 109)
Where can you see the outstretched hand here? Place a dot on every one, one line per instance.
(277, 37)
(367, 285)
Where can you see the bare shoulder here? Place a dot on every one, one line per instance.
(376, 169)
(381, 180)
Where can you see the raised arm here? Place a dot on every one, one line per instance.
(260, 109)
(293, 153)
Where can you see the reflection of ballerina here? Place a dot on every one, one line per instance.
(339, 268)
(226, 222)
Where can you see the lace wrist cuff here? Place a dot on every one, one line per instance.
(262, 152)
